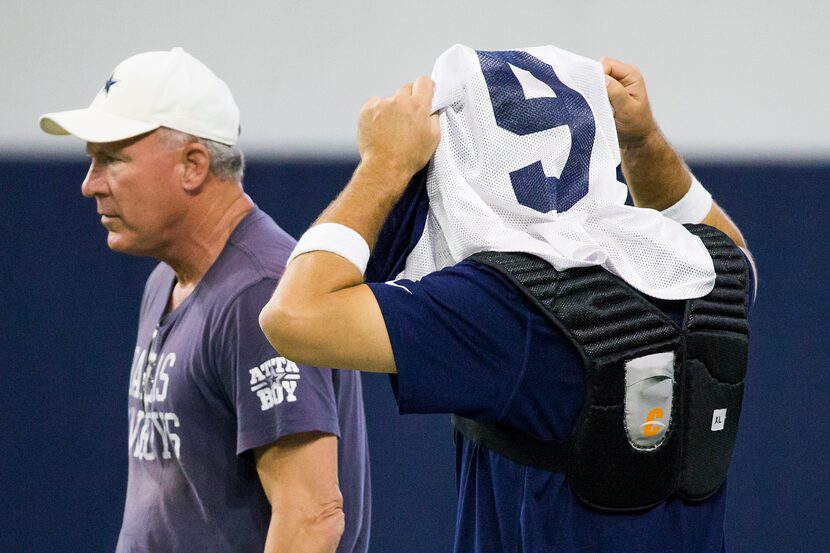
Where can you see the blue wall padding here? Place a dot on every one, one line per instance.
(68, 318)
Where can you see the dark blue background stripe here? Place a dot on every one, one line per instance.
(68, 318)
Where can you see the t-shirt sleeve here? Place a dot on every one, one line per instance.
(271, 396)
(460, 338)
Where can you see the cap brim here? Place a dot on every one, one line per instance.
(94, 126)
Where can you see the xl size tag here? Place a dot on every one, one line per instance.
(718, 419)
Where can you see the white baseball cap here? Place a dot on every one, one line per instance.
(151, 90)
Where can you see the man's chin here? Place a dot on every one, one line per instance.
(117, 242)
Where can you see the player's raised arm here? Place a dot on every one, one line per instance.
(321, 313)
(657, 176)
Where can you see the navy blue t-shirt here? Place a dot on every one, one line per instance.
(467, 341)
(206, 388)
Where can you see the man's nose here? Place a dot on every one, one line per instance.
(94, 183)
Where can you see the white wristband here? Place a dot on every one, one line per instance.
(693, 207)
(337, 239)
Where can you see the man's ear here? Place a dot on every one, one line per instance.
(196, 162)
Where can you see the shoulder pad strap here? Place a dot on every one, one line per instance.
(724, 308)
(578, 299)
(522, 448)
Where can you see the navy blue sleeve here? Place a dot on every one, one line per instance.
(460, 338)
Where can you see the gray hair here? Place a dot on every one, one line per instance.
(226, 162)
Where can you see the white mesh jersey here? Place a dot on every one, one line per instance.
(527, 162)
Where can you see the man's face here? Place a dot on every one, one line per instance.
(136, 186)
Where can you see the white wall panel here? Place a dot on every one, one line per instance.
(736, 78)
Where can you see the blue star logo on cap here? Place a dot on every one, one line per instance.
(109, 83)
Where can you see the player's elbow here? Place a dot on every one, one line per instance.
(284, 326)
(275, 321)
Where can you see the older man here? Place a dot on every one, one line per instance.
(592, 353)
(232, 447)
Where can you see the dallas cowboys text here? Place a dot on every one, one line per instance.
(152, 433)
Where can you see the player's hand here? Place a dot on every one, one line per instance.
(399, 133)
(632, 112)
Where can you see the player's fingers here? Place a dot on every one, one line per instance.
(405, 90)
(369, 104)
(625, 73)
(369, 110)
(617, 94)
(607, 64)
(423, 88)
